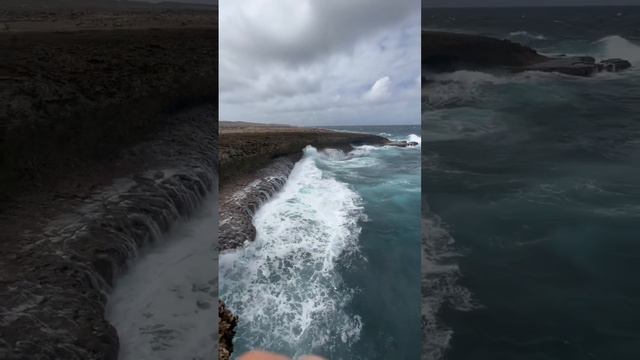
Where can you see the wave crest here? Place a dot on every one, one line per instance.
(616, 46)
(526, 34)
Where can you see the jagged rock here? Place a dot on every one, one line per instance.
(226, 331)
(403, 143)
(236, 211)
(578, 66)
(615, 65)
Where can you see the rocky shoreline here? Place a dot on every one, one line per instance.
(255, 163)
(55, 284)
(107, 136)
(449, 52)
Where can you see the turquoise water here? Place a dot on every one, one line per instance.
(335, 267)
(532, 187)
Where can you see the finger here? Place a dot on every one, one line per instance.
(261, 355)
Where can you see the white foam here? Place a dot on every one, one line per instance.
(414, 138)
(616, 46)
(526, 34)
(439, 286)
(284, 286)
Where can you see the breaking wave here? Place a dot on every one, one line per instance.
(284, 286)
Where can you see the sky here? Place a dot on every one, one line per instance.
(320, 62)
(507, 3)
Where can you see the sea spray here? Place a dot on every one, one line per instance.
(284, 286)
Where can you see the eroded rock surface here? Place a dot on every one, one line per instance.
(53, 288)
(237, 209)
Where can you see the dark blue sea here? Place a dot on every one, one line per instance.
(531, 184)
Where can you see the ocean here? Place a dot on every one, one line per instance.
(531, 184)
(335, 267)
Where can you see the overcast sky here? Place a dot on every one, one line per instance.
(320, 62)
(507, 3)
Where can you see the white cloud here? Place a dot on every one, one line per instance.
(380, 90)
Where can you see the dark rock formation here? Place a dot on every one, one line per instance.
(237, 210)
(243, 152)
(578, 66)
(403, 143)
(226, 331)
(614, 65)
(53, 288)
(446, 52)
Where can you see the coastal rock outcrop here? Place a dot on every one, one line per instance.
(237, 209)
(403, 143)
(445, 51)
(255, 164)
(448, 52)
(578, 65)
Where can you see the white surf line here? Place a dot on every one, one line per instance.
(165, 306)
(284, 286)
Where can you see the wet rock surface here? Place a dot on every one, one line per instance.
(237, 210)
(54, 286)
(579, 65)
(226, 331)
(403, 143)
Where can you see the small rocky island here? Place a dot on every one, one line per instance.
(448, 52)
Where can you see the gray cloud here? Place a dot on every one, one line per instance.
(318, 61)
